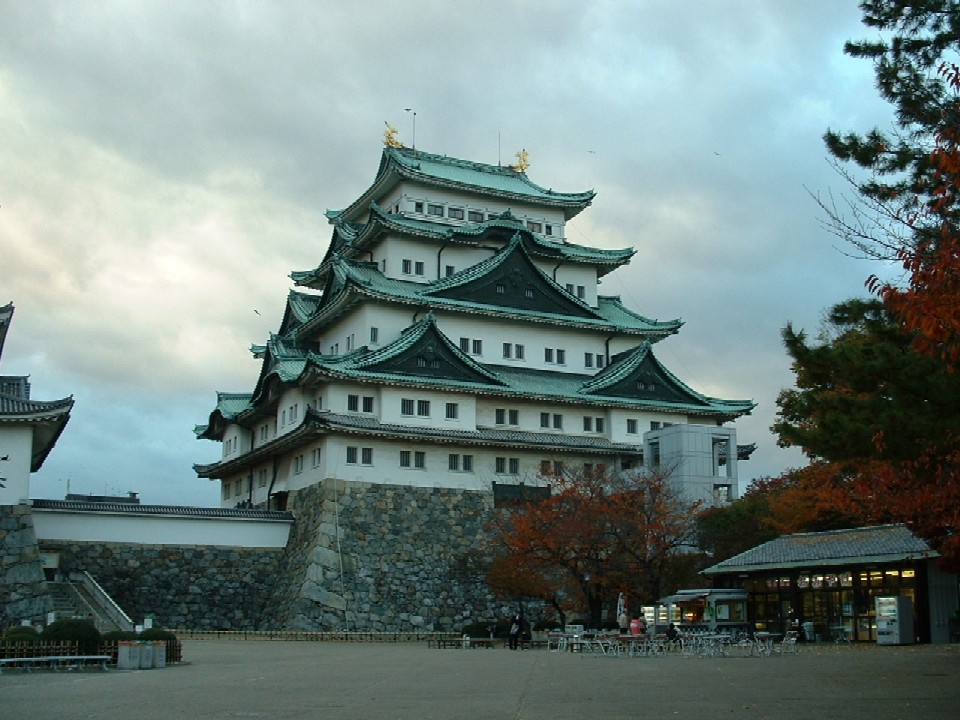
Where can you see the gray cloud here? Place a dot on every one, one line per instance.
(166, 164)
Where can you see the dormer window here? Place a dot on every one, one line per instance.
(534, 226)
(433, 209)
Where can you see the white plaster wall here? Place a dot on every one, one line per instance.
(16, 443)
(158, 529)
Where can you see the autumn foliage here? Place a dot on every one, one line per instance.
(597, 535)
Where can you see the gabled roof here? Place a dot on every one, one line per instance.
(229, 406)
(877, 544)
(637, 374)
(300, 308)
(351, 282)
(440, 171)
(352, 240)
(423, 351)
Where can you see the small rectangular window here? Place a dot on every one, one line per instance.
(548, 355)
(418, 268)
(561, 356)
(558, 421)
(314, 456)
(518, 352)
(374, 334)
(600, 361)
(631, 426)
(545, 467)
(528, 292)
(366, 456)
(455, 213)
(558, 468)
(581, 292)
(406, 266)
(433, 209)
(419, 460)
(478, 347)
(351, 455)
(569, 288)
(654, 424)
(474, 216)
(500, 416)
(514, 417)
(368, 403)
(418, 207)
(423, 408)
(468, 463)
(588, 360)
(534, 226)
(453, 411)
(507, 350)
(465, 345)
(501, 289)
(514, 466)
(599, 424)
(449, 270)
(453, 461)
(500, 465)
(548, 229)
(353, 403)
(406, 406)
(544, 420)
(404, 458)
(587, 424)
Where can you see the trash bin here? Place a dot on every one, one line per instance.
(808, 632)
(160, 654)
(146, 654)
(128, 655)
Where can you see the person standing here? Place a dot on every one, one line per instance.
(516, 626)
(624, 622)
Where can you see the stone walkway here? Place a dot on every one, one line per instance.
(328, 681)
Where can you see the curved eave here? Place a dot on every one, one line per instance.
(46, 418)
(402, 164)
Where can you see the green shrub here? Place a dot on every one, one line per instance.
(117, 635)
(157, 634)
(22, 634)
(81, 632)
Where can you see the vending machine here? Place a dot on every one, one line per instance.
(894, 620)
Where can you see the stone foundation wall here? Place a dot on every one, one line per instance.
(22, 592)
(189, 586)
(398, 565)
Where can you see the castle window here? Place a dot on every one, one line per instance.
(500, 416)
(262, 476)
(465, 345)
(449, 270)
(453, 462)
(534, 226)
(419, 460)
(631, 426)
(500, 465)
(406, 266)
(353, 403)
(405, 458)
(467, 463)
(528, 293)
(474, 216)
(368, 403)
(588, 360)
(453, 411)
(418, 207)
(514, 466)
(600, 360)
(501, 289)
(406, 406)
(298, 465)
(374, 334)
(518, 352)
(548, 355)
(569, 288)
(548, 229)
(600, 424)
(433, 209)
(507, 350)
(455, 213)
(587, 424)
(558, 421)
(478, 347)
(561, 356)
(514, 417)
(423, 408)
(351, 455)
(581, 292)
(366, 456)
(418, 268)
(544, 420)
(314, 460)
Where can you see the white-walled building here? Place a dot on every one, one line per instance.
(28, 428)
(452, 337)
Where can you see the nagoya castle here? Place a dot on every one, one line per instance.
(451, 350)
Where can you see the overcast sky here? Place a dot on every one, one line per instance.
(165, 165)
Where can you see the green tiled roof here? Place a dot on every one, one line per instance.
(883, 543)
(473, 177)
(351, 280)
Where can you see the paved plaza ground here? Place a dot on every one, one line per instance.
(334, 681)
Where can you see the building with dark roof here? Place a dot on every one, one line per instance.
(831, 578)
(453, 337)
(29, 428)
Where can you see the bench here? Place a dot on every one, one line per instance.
(56, 662)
